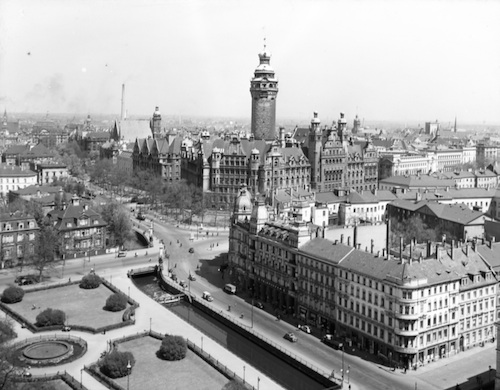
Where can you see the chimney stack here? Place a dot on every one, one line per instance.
(401, 241)
(341, 238)
(372, 245)
(429, 249)
(348, 240)
(452, 254)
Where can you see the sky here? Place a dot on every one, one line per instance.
(391, 60)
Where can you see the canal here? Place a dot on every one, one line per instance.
(280, 371)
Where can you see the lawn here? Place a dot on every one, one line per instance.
(152, 373)
(82, 307)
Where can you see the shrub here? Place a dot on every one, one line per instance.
(233, 385)
(116, 302)
(90, 281)
(114, 364)
(6, 331)
(12, 294)
(172, 348)
(50, 317)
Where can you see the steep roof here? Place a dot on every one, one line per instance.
(455, 213)
(15, 171)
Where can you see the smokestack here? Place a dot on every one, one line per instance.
(348, 240)
(341, 238)
(387, 237)
(467, 250)
(429, 249)
(372, 246)
(122, 115)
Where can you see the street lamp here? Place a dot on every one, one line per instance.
(201, 343)
(489, 373)
(150, 321)
(244, 374)
(81, 377)
(129, 367)
(128, 291)
(342, 366)
(348, 369)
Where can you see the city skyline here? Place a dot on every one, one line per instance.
(384, 60)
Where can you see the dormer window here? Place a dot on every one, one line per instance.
(8, 226)
(21, 225)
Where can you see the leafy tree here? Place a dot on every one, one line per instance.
(12, 294)
(50, 317)
(114, 364)
(412, 228)
(90, 281)
(46, 247)
(7, 331)
(234, 385)
(116, 302)
(118, 221)
(172, 348)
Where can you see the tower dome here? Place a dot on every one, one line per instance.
(243, 204)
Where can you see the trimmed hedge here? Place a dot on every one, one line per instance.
(50, 317)
(12, 294)
(90, 281)
(172, 348)
(114, 364)
(116, 302)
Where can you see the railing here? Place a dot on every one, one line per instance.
(251, 331)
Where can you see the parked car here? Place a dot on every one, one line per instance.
(329, 340)
(304, 328)
(24, 280)
(66, 328)
(290, 337)
(122, 254)
(191, 250)
(260, 305)
(207, 296)
(191, 277)
(141, 217)
(183, 284)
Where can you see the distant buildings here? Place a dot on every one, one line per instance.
(14, 177)
(17, 239)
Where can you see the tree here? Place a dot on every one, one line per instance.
(12, 294)
(114, 364)
(46, 247)
(116, 302)
(172, 348)
(7, 331)
(50, 317)
(90, 281)
(118, 221)
(412, 228)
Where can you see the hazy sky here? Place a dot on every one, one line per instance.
(385, 60)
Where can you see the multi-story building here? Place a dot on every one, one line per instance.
(337, 162)
(27, 156)
(486, 153)
(406, 164)
(14, 178)
(17, 239)
(264, 89)
(222, 166)
(49, 134)
(423, 305)
(49, 173)
(81, 230)
(158, 157)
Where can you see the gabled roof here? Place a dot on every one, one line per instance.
(72, 213)
(37, 151)
(15, 149)
(455, 213)
(15, 171)
(491, 254)
(326, 249)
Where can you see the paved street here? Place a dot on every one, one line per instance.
(204, 263)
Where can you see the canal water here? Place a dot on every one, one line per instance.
(278, 370)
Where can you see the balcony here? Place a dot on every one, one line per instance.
(406, 332)
(407, 350)
(407, 316)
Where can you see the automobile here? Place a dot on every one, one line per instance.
(191, 250)
(192, 277)
(174, 277)
(183, 284)
(122, 254)
(66, 328)
(141, 217)
(329, 340)
(260, 305)
(304, 328)
(230, 288)
(290, 336)
(24, 280)
(207, 296)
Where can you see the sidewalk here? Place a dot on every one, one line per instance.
(150, 314)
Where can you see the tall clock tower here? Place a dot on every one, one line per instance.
(264, 88)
